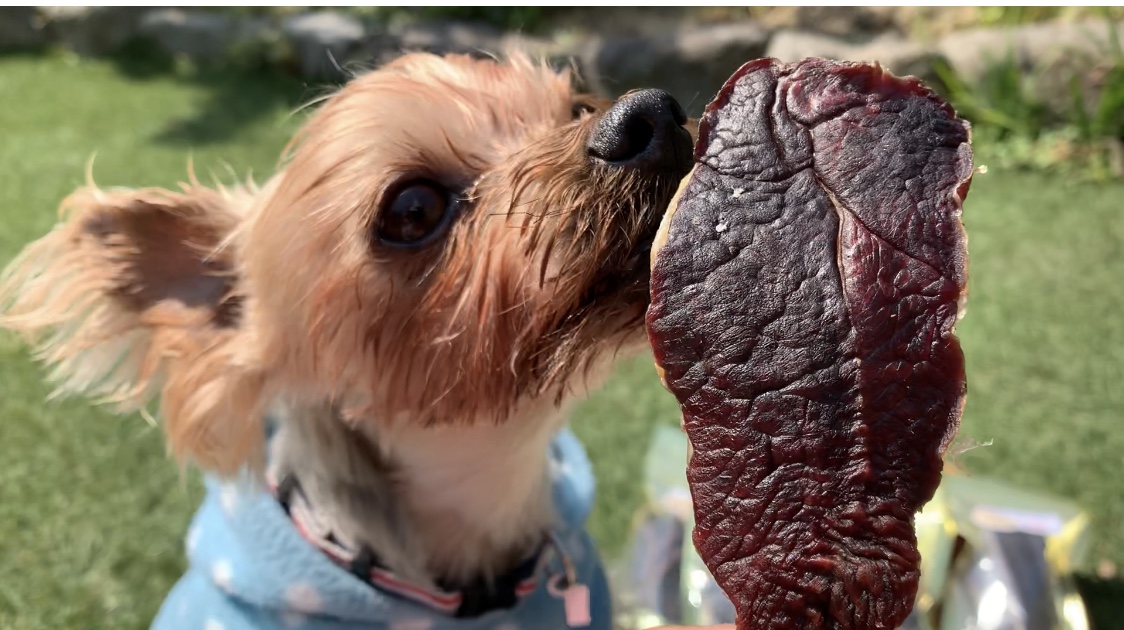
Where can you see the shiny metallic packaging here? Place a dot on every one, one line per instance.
(994, 557)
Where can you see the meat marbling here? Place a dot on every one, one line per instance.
(805, 287)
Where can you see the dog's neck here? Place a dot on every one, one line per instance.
(445, 504)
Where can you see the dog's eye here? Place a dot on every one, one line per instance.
(580, 108)
(416, 214)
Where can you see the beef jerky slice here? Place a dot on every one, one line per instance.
(803, 304)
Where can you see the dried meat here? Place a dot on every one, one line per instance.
(805, 287)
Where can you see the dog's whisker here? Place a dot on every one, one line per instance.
(336, 65)
(312, 103)
(691, 102)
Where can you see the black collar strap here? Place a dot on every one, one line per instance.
(479, 597)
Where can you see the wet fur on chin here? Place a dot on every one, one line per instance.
(226, 302)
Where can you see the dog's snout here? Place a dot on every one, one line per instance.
(643, 130)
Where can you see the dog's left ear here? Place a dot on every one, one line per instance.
(135, 295)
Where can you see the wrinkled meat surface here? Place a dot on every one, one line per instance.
(802, 313)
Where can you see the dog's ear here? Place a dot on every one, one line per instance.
(134, 295)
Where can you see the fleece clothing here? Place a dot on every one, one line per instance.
(251, 569)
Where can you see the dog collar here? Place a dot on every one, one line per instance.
(478, 598)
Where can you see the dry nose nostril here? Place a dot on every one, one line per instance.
(638, 134)
(639, 126)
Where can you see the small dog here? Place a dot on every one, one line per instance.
(372, 354)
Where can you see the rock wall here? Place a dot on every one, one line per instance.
(688, 54)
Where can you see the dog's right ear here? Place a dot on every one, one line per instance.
(134, 294)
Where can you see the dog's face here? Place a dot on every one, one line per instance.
(448, 239)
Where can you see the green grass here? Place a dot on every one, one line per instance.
(92, 516)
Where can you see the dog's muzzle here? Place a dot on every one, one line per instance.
(643, 130)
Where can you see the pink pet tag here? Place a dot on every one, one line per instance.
(575, 600)
(575, 596)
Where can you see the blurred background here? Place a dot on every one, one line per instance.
(92, 515)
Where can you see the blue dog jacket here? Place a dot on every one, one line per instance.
(250, 568)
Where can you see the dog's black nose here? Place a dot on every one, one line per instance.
(643, 130)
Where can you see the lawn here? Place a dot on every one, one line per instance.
(92, 515)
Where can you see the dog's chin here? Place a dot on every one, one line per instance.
(619, 293)
(625, 285)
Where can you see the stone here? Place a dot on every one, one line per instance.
(20, 28)
(323, 41)
(91, 31)
(199, 35)
(904, 57)
(1032, 47)
(832, 20)
(561, 52)
(899, 55)
(448, 36)
(608, 22)
(1050, 57)
(794, 45)
(691, 63)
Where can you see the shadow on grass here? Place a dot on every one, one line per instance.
(1104, 601)
(237, 97)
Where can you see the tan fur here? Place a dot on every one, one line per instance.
(111, 297)
(482, 296)
(225, 303)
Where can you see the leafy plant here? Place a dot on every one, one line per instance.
(1099, 125)
(1003, 99)
(1010, 16)
(1015, 128)
(1003, 16)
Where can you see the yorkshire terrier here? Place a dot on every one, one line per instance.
(372, 354)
